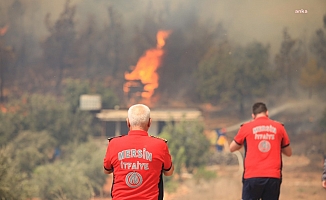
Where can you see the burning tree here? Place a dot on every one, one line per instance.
(145, 69)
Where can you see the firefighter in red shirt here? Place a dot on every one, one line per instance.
(138, 160)
(264, 141)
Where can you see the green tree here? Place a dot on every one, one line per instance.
(289, 61)
(90, 154)
(31, 149)
(312, 78)
(213, 74)
(109, 98)
(318, 45)
(323, 121)
(46, 112)
(12, 121)
(62, 181)
(13, 182)
(73, 89)
(250, 75)
(188, 145)
(77, 175)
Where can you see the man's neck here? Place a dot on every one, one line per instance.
(260, 115)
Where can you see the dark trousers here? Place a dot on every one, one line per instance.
(261, 188)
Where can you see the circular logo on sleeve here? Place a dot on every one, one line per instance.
(264, 146)
(134, 179)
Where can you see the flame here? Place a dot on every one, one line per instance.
(4, 30)
(146, 67)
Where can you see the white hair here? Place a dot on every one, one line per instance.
(138, 115)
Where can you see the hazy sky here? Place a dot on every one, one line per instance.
(262, 20)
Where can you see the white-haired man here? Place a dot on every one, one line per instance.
(138, 160)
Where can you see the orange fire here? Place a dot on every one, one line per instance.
(3, 30)
(146, 67)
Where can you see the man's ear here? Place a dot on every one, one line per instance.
(267, 113)
(253, 116)
(128, 124)
(149, 122)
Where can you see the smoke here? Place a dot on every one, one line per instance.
(245, 21)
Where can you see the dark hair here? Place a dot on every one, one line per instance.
(259, 107)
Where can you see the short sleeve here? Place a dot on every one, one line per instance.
(240, 137)
(107, 160)
(285, 140)
(167, 163)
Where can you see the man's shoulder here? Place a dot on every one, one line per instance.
(278, 122)
(159, 138)
(115, 137)
(246, 123)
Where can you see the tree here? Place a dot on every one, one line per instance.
(77, 175)
(12, 121)
(225, 74)
(46, 112)
(312, 77)
(13, 182)
(62, 181)
(250, 73)
(6, 56)
(188, 145)
(58, 47)
(318, 46)
(31, 149)
(213, 72)
(289, 61)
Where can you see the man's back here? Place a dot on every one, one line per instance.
(138, 161)
(263, 140)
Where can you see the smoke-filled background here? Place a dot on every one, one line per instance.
(51, 41)
(219, 56)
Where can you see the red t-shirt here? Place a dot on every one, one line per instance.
(263, 140)
(137, 160)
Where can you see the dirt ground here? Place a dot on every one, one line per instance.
(301, 181)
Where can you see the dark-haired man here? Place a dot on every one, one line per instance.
(264, 141)
(138, 160)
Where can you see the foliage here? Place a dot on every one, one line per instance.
(323, 121)
(62, 181)
(58, 47)
(289, 61)
(72, 91)
(250, 75)
(13, 182)
(213, 74)
(31, 149)
(78, 175)
(203, 174)
(6, 56)
(188, 145)
(12, 121)
(91, 154)
(312, 77)
(318, 45)
(109, 99)
(46, 113)
(243, 73)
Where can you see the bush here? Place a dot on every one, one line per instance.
(188, 145)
